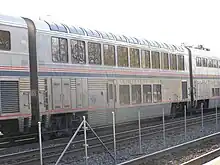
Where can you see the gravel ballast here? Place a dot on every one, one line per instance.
(150, 144)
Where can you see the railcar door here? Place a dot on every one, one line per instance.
(184, 90)
(56, 93)
(25, 96)
(81, 92)
(84, 92)
(111, 94)
(66, 96)
(41, 87)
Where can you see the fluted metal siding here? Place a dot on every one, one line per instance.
(9, 96)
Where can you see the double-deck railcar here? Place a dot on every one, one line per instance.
(57, 73)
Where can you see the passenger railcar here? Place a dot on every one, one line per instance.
(57, 73)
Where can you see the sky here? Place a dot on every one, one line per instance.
(172, 21)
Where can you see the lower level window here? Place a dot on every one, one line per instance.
(124, 94)
(215, 92)
(136, 94)
(157, 96)
(147, 94)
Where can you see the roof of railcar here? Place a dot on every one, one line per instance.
(12, 20)
(49, 25)
(64, 28)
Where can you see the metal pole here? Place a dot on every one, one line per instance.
(69, 143)
(85, 139)
(216, 109)
(100, 140)
(139, 126)
(115, 155)
(164, 133)
(185, 119)
(114, 94)
(40, 143)
(202, 115)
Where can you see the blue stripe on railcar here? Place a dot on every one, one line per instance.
(73, 74)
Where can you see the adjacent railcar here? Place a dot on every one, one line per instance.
(206, 75)
(57, 73)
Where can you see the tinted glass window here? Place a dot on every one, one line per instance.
(78, 55)
(180, 62)
(215, 63)
(94, 53)
(147, 94)
(204, 62)
(155, 60)
(134, 58)
(157, 96)
(136, 94)
(210, 63)
(164, 61)
(122, 56)
(5, 41)
(145, 54)
(109, 55)
(173, 62)
(124, 94)
(59, 50)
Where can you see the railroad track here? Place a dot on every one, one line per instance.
(204, 158)
(6, 142)
(53, 152)
(154, 158)
(19, 140)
